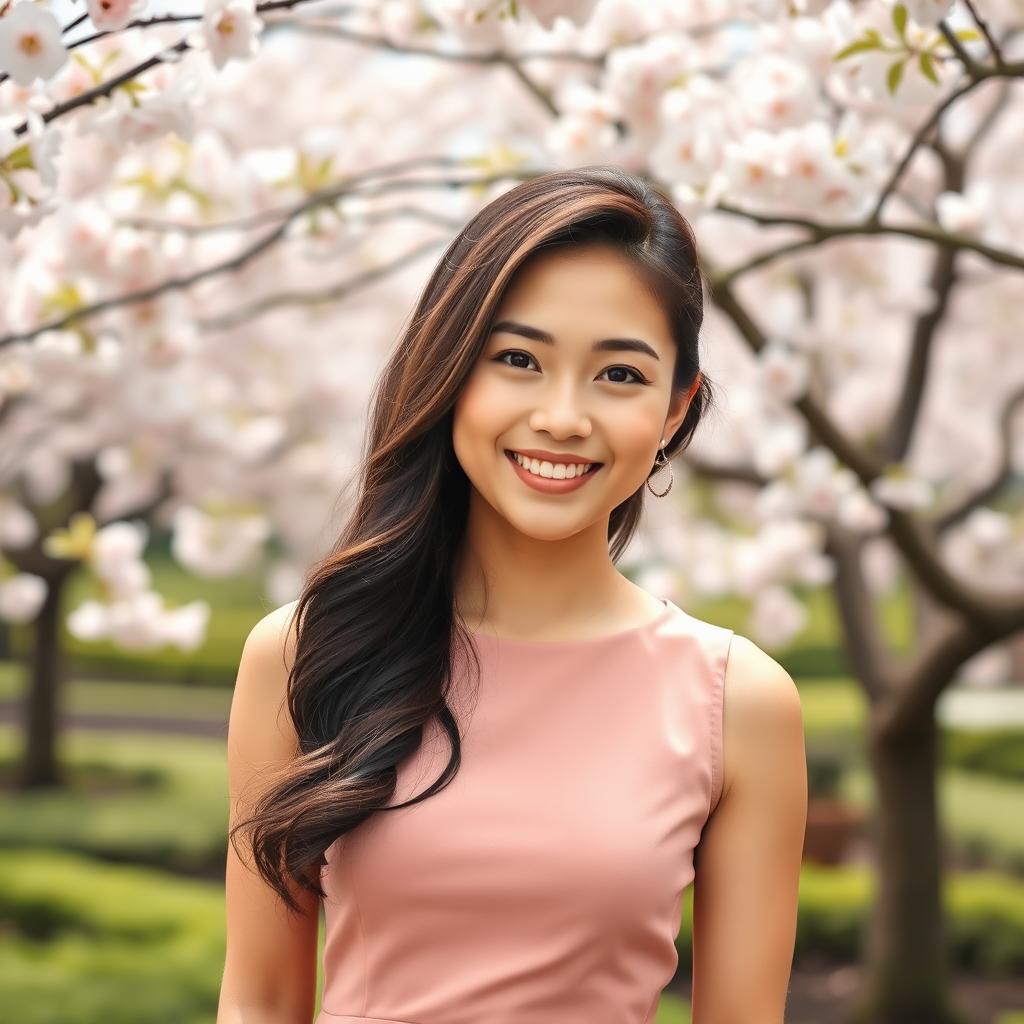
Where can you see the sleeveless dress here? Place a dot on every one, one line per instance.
(544, 883)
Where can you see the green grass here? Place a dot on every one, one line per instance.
(977, 811)
(95, 942)
(163, 800)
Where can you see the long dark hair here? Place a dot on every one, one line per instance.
(375, 622)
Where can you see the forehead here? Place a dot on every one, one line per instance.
(591, 291)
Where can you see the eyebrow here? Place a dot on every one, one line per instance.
(604, 345)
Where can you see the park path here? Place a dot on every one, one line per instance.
(11, 713)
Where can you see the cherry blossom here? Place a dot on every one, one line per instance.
(21, 596)
(30, 43)
(928, 12)
(970, 212)
(546, 11)
(217, 544)
(784, 371)
(109, 15)
(230, 30)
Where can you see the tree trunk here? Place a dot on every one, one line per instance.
(906, 958)
(39, 767)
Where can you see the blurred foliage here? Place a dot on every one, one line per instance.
(985, 917)
(89, 942)
(981, 816)
(998, 752)
(145, 799)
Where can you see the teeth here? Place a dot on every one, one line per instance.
(552, 470)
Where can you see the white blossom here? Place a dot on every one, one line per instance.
(21, 597)
(30, 43)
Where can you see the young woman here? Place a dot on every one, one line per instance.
(496, 761)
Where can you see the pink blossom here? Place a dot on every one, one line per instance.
(30, 45)
(231, 30)
(109, 15)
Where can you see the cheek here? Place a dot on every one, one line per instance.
(637, 430)
(478, 417)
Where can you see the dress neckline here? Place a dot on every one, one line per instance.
(623, 634)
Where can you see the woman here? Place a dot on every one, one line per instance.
(495, 760)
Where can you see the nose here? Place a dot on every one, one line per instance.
(560, 413)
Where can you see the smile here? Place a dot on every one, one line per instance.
(551, 477)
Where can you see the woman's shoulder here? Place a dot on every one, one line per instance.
(270, 645)
(762, 711)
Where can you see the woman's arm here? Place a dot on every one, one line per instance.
(747, 862)
(270, 962)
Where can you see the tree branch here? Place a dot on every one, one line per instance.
(870, 658)
(246, 255)
(348, 35)
(1002, 475)
(721, 472)
(311, 298)
(822, 232)
(918, 684)
(941, 281)
(909, 535)
(982, 73)
(997, 55)
(106, 88)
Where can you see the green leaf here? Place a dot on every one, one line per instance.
(927, 68)
(895, 75)
(19, 159)
(860, 46)
(899, 20)
(967, 34)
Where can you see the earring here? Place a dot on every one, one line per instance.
(664, 462)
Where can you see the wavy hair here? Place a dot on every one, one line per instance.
(375, 621)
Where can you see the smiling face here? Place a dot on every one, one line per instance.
(579, 363)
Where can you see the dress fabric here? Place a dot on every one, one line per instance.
(544, 883)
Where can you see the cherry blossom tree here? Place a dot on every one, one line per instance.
(214, 220)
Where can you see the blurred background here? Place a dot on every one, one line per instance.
(214, 221)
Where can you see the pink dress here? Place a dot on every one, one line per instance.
(544, 884)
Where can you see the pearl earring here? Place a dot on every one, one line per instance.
(664, 462)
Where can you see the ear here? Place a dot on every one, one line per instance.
(678, 407)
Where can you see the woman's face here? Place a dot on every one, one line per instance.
(541, 383)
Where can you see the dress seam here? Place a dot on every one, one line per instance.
(717, 720)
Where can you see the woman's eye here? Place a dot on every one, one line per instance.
(513, 352)
(638, 377)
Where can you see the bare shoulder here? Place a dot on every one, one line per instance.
(274, 634)
(763, 716)
(262, 682)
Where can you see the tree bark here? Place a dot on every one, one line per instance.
(906, 957)
(39, 768)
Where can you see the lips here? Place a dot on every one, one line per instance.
(551, 485)
(567, 460)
